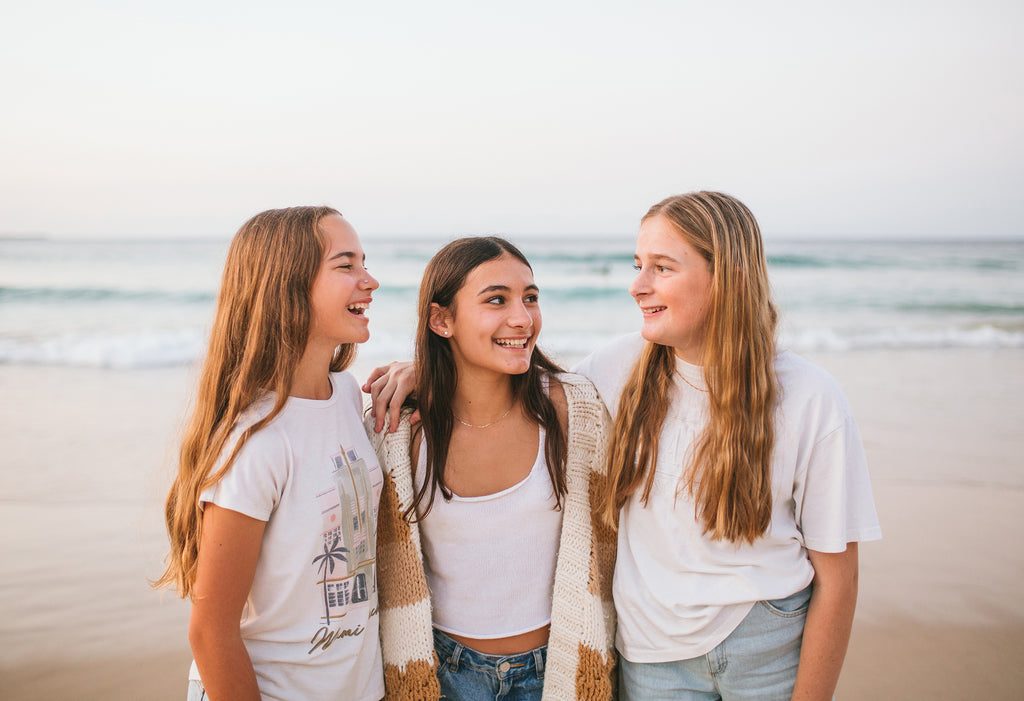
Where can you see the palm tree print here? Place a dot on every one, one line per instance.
(326, 560)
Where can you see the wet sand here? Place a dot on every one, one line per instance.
(87, 460)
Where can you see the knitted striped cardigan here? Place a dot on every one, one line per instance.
(581, 647)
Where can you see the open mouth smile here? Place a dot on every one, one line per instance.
(514, 343)
(359, 308)
(652, 310)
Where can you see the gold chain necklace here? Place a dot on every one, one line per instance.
(507, 412)
(690, 383)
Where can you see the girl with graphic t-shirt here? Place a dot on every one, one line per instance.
(495, 570)
(736, 471)
(272, 516)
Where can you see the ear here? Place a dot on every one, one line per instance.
(440, 320)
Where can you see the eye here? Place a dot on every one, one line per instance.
(660, 268)
(636, 267)
(532, 298)
(495, 300)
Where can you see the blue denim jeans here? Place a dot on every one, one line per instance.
(468, 675)
(758, 661)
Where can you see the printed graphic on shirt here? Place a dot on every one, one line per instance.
(345, 559)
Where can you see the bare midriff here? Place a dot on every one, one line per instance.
(512, 645)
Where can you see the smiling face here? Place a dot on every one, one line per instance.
(494, 319)
(672, 288)
(343, 288)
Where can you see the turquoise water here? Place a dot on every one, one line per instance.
(128, 304)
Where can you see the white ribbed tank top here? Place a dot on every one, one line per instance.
(490, 560)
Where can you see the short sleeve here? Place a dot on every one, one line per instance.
(609, 368)
(834, 503)
(350, 393)
(254, 483)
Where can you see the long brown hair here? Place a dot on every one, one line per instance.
(730, 474)
(437, 375)
(259, 334)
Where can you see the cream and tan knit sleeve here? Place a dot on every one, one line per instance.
(581, 649)
(407, 645)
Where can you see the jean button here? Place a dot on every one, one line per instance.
(504, 667)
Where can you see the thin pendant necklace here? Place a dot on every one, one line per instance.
(464, 423)
(699, 389)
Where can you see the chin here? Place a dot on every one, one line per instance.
(520, 368)
(651, 334)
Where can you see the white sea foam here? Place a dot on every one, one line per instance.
(827, 339)
(159, 349)
(120, 352)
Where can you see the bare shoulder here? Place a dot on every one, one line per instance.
(557, 394)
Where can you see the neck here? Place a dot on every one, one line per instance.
(691, 353)
(311, 378)
(480, 399)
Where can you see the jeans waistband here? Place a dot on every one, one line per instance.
(454, 654)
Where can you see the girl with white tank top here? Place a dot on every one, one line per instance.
(471, 544)
(494, 579)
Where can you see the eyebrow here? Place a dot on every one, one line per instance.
(657, 257)
(344, 254)
(505, 288)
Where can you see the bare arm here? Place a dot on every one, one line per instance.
(829, 621)
(228, 550)
(388, 386)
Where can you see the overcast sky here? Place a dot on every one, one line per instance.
(873, 119)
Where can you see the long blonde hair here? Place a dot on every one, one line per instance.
(730, 474)
(259, 334)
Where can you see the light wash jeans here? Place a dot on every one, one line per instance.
(758, 661)
(468, 675)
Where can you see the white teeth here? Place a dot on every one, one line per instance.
(359, 307)
(511, 342)
(651, 310)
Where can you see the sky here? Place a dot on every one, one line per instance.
(829, 120)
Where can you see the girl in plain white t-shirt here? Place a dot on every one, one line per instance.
(737, 473)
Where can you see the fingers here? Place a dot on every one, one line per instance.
(388, 387)
(394, 414)
(377, 372)
(382, 391)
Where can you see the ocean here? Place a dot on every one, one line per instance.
(127, 304)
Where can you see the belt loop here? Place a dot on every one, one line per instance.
(453, 661)
(538, 660)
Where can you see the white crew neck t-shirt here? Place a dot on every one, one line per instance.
(310, 623)
(678, 594)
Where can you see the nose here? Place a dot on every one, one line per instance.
(519, 315)
(641, 284)
(369, 282)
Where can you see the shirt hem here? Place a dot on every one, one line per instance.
(673, 651)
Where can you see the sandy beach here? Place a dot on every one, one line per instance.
(87, 460)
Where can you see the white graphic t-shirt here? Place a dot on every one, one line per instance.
(310, 623)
